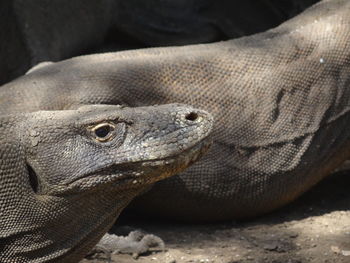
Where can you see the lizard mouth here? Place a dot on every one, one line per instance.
(128, 176)
(158, 169)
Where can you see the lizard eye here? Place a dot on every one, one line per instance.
(103, 132)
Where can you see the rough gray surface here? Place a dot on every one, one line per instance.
(66, 175)
(280, 100)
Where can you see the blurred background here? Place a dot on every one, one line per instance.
(51, 30)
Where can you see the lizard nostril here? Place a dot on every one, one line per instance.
(192, 116)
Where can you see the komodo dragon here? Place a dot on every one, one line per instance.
(66, 175)
(281, 101)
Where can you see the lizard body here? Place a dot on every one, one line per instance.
(280, 100)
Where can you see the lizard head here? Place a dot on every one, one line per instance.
(100, 146)
(68, 174)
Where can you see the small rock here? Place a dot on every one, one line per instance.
(271, 246)
(335, 249)
(345, 253)
(293, 235)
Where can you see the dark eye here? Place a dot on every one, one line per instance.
(103, 132)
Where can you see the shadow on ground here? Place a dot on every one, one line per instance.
(315, 228)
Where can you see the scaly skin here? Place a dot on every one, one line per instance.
(66, 175)
(280, 101)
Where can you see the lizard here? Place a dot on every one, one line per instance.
(280, 98)
(66, 175)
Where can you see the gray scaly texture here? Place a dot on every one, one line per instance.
(281, 101)
(66, 175)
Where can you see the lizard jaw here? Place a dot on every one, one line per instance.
(133, 175)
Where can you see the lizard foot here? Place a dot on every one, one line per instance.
(136, 243)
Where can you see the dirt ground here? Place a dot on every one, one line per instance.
(315, 228)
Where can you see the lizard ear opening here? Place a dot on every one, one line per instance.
(33, 178)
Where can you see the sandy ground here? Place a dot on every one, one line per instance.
(315, 228)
